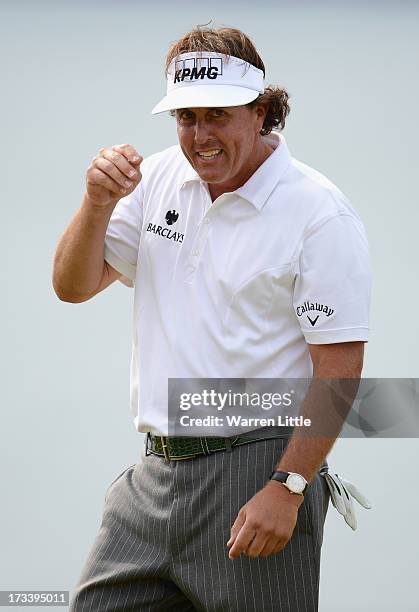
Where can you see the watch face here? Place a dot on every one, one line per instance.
(296, 483)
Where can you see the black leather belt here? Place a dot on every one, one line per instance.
(178, 448)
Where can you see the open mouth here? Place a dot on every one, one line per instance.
(208, 155)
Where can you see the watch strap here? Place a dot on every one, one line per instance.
(282, 477)
(278, 475)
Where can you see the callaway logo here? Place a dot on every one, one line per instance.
(198, 68)
(313, 322)
(308, 306)
(171, 217)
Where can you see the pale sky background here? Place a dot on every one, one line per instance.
(77, 76)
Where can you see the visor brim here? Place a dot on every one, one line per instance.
(205, 96)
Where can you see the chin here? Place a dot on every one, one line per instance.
(210, 176)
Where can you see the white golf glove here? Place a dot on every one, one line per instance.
(341, 492)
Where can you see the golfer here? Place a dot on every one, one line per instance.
(246, 264)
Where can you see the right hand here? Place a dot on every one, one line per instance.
(113, 174)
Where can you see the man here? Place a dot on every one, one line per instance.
(247, 264)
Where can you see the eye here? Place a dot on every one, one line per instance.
(185, 115)
(218, 112)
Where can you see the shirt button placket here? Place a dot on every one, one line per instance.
(198, 247)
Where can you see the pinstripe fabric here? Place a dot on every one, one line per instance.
(162, 540)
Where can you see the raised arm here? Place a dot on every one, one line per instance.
(79, 268)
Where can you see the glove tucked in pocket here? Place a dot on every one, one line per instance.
(341, 493)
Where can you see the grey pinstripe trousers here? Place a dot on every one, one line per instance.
(162, 540)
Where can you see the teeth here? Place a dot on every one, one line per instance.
(212, 153)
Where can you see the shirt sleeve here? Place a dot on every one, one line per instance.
(333, 282)
(122, 236)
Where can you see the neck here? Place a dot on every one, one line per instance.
(265, 149)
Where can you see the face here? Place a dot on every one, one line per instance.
(223, 145)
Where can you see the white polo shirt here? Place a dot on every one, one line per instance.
(235, 288)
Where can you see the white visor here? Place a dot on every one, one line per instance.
(207, 79)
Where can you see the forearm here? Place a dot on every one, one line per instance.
(326, 404)
(78, 262)
(305, 455)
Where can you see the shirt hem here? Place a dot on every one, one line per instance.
(349, 334)
(127, 271)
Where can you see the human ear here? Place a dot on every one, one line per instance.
(260, 110)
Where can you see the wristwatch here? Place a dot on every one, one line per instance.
(294, 482)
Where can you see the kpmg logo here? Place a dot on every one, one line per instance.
(171, 217)
(195, 68)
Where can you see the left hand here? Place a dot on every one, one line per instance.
(265, 524)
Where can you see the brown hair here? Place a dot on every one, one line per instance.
(231, 41)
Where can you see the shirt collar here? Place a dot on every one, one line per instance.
(263, 181)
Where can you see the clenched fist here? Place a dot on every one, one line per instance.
(113, 174)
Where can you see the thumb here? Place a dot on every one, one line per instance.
(138, 161)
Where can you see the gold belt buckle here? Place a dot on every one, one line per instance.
(163, 440)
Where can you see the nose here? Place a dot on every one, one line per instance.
(202, 132)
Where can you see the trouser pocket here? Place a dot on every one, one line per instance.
(116, 479)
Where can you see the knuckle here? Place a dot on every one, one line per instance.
(108, 165)
(115, 187)
(104, 181)
(105, 154)
(91, 174)
(255, 524)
